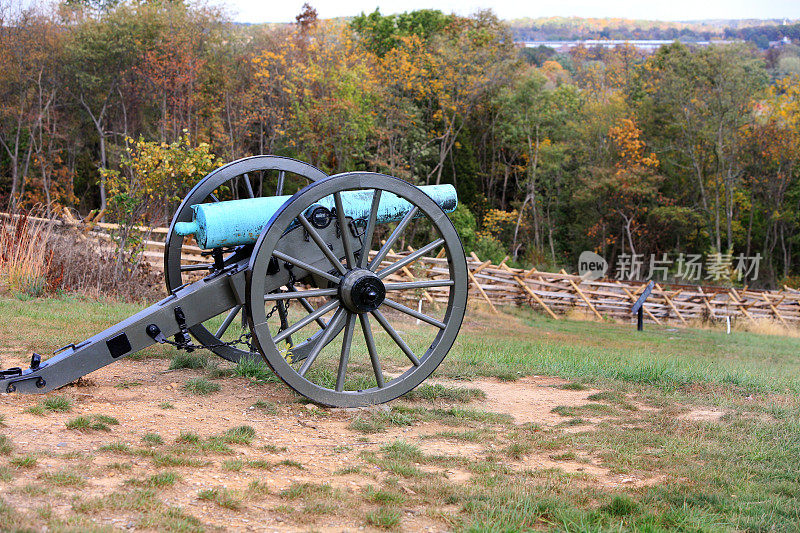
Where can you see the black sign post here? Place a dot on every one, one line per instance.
(638, 307)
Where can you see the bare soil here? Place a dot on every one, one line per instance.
(321, 440)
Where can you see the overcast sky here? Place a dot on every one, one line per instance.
(286, 10)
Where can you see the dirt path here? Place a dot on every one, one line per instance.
(294, 444)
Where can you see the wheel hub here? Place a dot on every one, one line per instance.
(361, 291)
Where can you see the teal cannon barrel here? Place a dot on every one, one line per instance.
(237, 222)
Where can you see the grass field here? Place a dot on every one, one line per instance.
(668, 429)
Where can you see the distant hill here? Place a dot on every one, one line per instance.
(761, 32)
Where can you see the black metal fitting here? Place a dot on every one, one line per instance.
(219, 259)
(154, 332)
(36, 361)
(10, 372)
(183, 339)
(320, 217)
(273, 267)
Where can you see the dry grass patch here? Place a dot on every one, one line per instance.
(222, 497)
(64, 478)
(23, 461)
(93, 422)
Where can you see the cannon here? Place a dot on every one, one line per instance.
(327, 248)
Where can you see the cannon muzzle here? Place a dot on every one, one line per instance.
(238, 222)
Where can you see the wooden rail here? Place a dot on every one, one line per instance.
(556, 294)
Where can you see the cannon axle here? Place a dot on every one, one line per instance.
(361, 291)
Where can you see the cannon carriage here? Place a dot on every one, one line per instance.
(306, 279)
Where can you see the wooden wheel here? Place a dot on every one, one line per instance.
(245, 178)
(368, 368)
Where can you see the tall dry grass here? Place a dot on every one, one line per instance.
(25, 256)
(39, 257)
(83, 264)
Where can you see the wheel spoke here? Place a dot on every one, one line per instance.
(315, 236)
(299, 294)
(308, 307)
(409, 259)
(369, 231)
(344, 358)
(401, 226)
(305, 266)
(281, 178)
(373, 352)
(416, 314)
(303, 322)
(213, 197)
(418, 284)
(249, 186)
(342, 220)
(227, 322)
(199, 266)
(327, 334)
(395, 336)
(284, 318)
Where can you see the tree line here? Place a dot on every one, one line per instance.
(759, 32)
(686, 150)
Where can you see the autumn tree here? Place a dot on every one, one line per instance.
(28, 91)
(533, 117)
(695, 106)
(152, 176)
(325, 95)
(630, 189)
(772, 169)
(97, 59)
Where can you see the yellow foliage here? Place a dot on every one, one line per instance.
(626, 137)
(155, 174)
(496, 223)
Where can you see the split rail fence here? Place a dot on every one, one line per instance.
(555, 294)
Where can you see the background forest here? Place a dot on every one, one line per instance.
(122, 107)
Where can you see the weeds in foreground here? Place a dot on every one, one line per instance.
(93, 422)
(152, 439)
(53, 404)
(119, 447)
(142, 500)
(156, 481)
(444, 393)
(25, 259)
(23, 461)
(383, 496)
(192, 361)
(384, 518)
(64, 478)
(5, 445)
(222, 497)
(201, 386)
(238, 435)
(291, 463)
(233, 465)
(255, 370)
(127, 384)
(266, 407)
